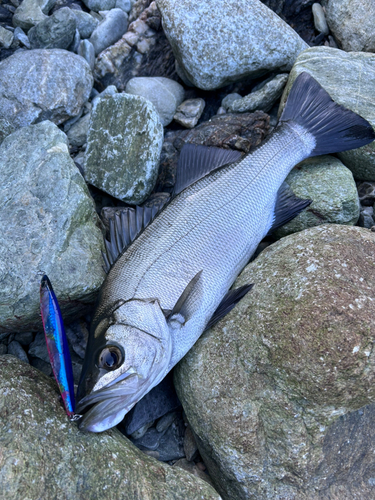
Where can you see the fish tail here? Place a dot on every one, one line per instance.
(333, 127)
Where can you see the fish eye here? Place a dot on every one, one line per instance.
(110, 358)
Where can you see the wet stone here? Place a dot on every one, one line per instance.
(189, 112)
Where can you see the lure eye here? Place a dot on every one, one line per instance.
(110, 358)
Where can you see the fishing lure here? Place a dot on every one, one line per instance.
(57, 346)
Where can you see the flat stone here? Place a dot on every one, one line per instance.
(330, 186)
(6, 38)
(351, 23)
(189, 112)
(349, 78)
(123, 147)
(86, 23)
(231, 42)
(32, 12)
(262, 99)
(280, 393)
(49, 226)
(37, 436)
(165, 94)
(55, 32)
(43, 84)
(110, 30)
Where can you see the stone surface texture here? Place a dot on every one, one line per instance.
(349, 78)
(331, 187)
(32, 12)
(165, 94)
(43, 84)
(55, 32)
(46, 456)
(37, 236)
(110, 30)
(189, 112)
(217, 42)
(86, 23)
(280, 393)
(123, 147)
(351, 22)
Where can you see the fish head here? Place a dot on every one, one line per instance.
(127, 355)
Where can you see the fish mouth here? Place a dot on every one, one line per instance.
(106, 407)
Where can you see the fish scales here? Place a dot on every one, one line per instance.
(163, 290)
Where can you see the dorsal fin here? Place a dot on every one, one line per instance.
(287, 206)
(124, 228)
(196, 161)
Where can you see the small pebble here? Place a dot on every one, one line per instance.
(320, 19)
(189, 112)
(228, 99)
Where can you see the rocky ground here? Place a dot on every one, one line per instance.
(97, 99)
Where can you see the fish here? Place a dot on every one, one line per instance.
(57, 346)
(169, 271)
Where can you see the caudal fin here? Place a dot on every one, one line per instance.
(334, 127)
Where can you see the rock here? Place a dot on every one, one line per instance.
(326, 181)
(49, 225)
(124, 144)
(125, 5)
(351, 23)
(349, 78)
(87, 51)
(366, 217)
(24, 338)
(77, 334)
(366, 193)
(167, 420)
(228, 99)
(165, 94)
(5, 129)
(193, 469)
(100, 5)
(190, 445)
(108, 91)
(32, 12)
(85, 23)
(262, 99)
(273, 389)
(21, 37)
(15, 349)
(6, 38)
(3, 349)
(33, 419)
(189, 112)
(43, 84)
(110, 30)
(320, 19)
(231, 42)
(77, 133)
(38, 348)
(142, 51)
(74, 46)
(55, 32)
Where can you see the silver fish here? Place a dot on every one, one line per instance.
(162, 291)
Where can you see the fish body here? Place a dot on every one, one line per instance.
(190, 255)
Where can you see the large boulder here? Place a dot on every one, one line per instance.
(43, 84)
(217, 42)
(276, 392)
(46, 456)
(123, 147)
(49, 225)
(349, 78)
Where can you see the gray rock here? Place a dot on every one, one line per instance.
(32, 12)
(85, 23)
(55, 32)
(123, 147)
(99, 5)
(43, 84)
(165, 94)
(21, 37)
(189, 112)
(77, 334)
(5, 129)
(15, 349)
(217, 42)
(228, 99)
(167, 420)
(77, 134)
(351, 21)
(125, 5)
(38, 348)
(74, 46)
(366, 217)
(6, 38)
(320, 22)
(24, 338)
(262, 99)
(87, 51)
(109, 30)
(109, 91)
(366, 193)
(3, 349)
(50, 226)
(349, 78)
(33, 419)
(42, 366)
(272, 392)
(190, 445)
(331, 187)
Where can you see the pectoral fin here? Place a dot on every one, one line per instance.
(184, 307)
(227, 304)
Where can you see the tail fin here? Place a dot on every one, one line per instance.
(334, 127)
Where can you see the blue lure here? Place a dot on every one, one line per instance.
(57, 345)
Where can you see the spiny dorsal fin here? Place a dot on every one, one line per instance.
(124, 228)
(287, 207)
(227, 304)
(196, 161)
